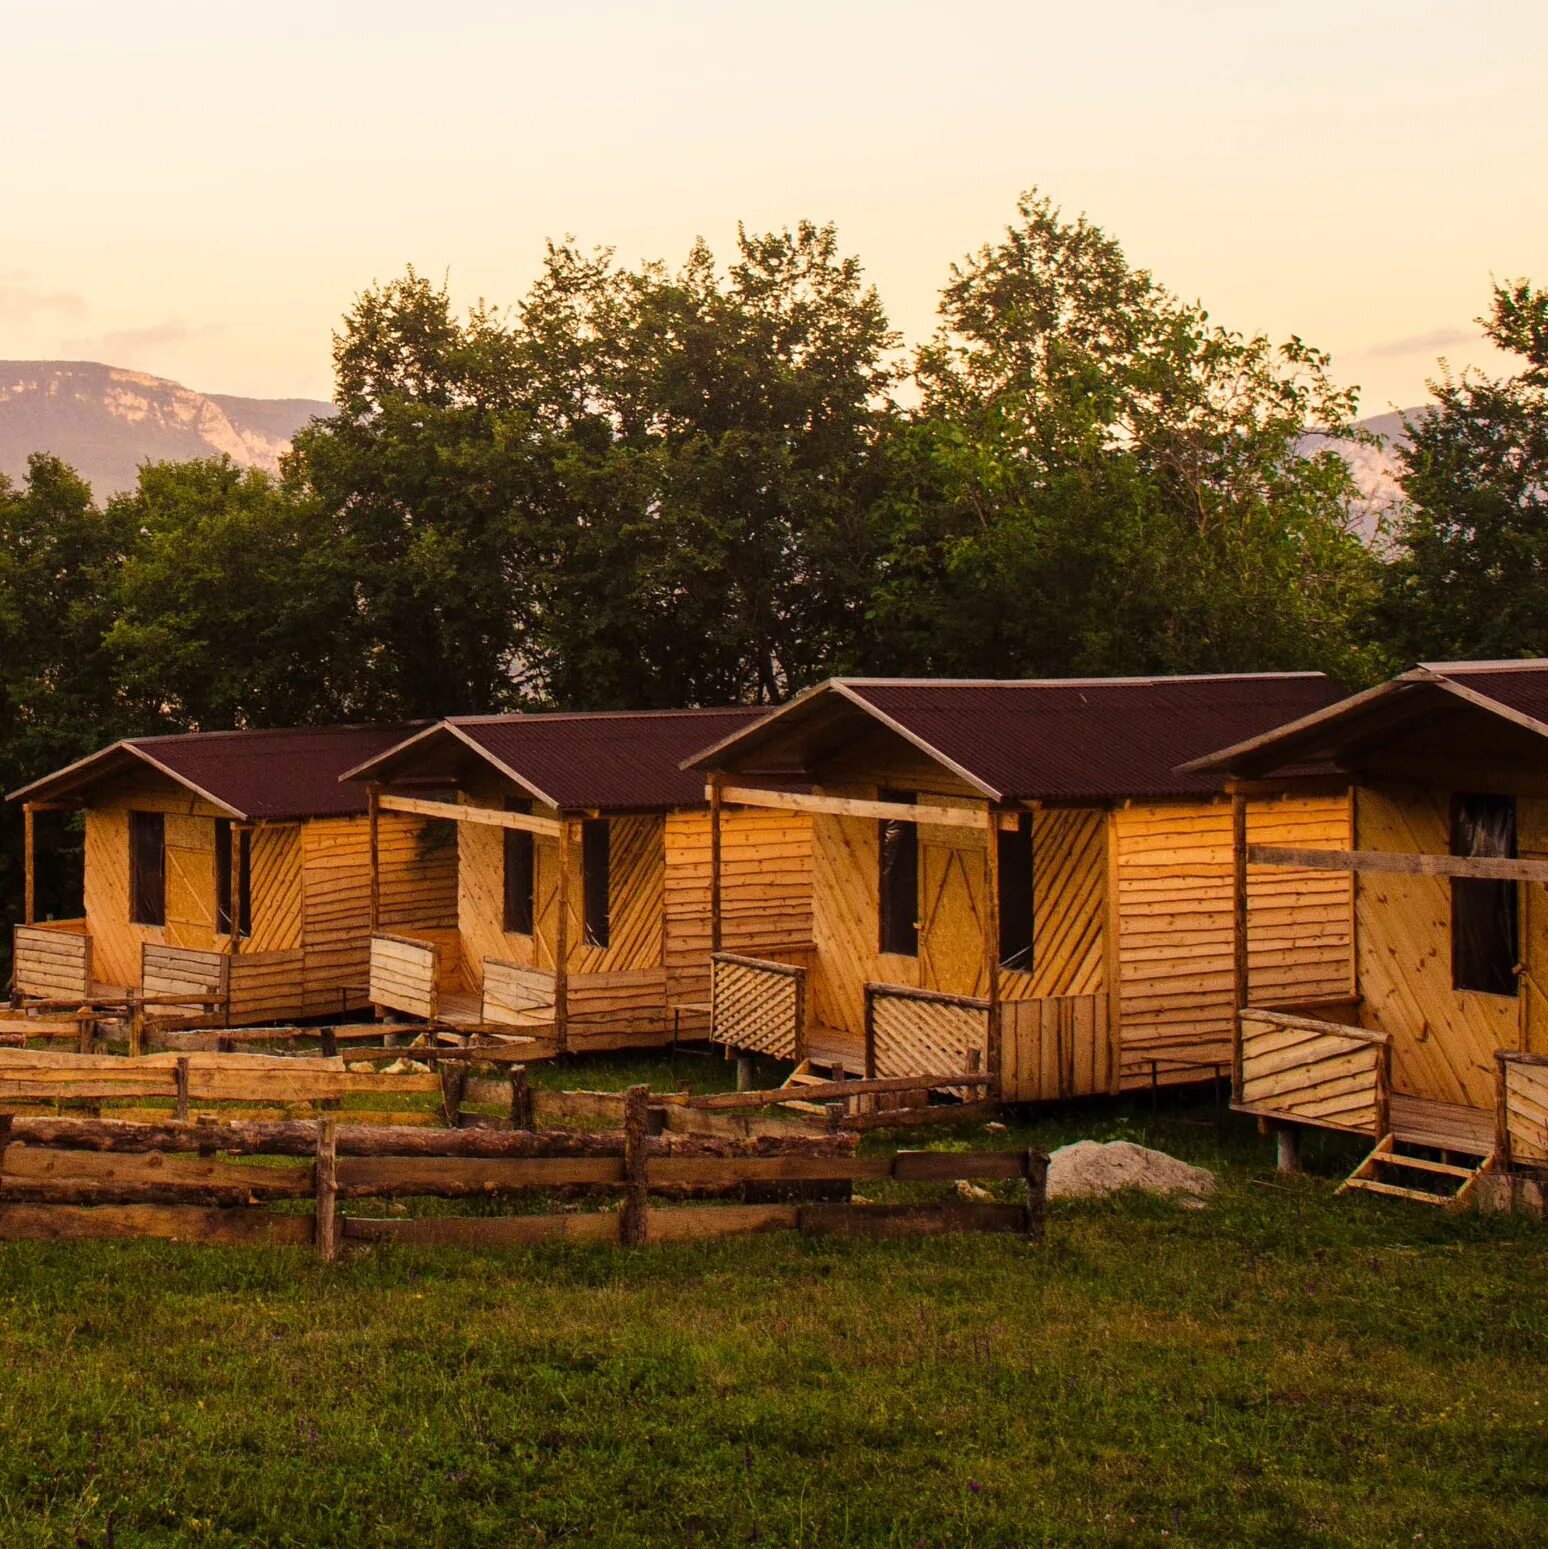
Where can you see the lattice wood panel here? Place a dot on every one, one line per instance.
(927, 1037)
(1526, 1109)
(1311, 1072)
(758, 1009)
(50, 962)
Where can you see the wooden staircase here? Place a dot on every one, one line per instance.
(1431, 1183)
(805, 1075)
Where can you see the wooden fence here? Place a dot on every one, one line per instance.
(1301, 1068)
(198, 1181)
(1521, 1113)
(1055, 1047)
(53, 960)
(909, 1031)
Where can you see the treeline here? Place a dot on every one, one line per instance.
(651, 486)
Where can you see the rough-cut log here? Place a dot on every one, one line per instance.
(90, 1177)
(823, 1091)
(913, 1118)
(180, 1223)
(910, 1220)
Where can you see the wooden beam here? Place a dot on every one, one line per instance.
(1239, 958)
(992, 942)
(458, 812)
(29, 836)
(853, 807)
(714, 809)
(1395, 863)
(562, 940)
(1112, 940)
(373, 807)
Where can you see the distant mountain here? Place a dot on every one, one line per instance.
(105, 421)
(1375, 468)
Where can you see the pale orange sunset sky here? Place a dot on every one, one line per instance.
(198, 190)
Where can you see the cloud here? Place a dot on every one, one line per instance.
(125, 341)
(1427, 343)
(20, 300)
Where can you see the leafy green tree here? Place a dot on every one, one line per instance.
(59, 698)
(236, 606)
(1469, 571)
(1098, 479)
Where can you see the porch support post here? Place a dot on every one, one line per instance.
(29, 834)
(1112, 941)
(373, 793)
(1239, 974)
(714, 813)
(237, 832)
(562, 939)
(992, 938)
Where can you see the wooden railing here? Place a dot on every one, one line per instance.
(1309, 1071)
(1521, 1109)
(405, 975)
(1055, 1047)
(90, 1177)
(515, 996)
(52, 961)
(758, 1006)
(911, 1032)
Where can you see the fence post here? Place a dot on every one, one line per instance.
(330, 1043)
(326, 1182)
(453, 1079)
(137, 1028)
(182, 1086)
(1035, 1167)
(632, 1219)
(1383, 1089)
(5, 1140)
(1502, 1111)
(870, 1033)
(521, 1099)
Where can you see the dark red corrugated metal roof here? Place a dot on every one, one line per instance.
(1052, 739)
(1520, 686)
(292, 773)
(606, 759)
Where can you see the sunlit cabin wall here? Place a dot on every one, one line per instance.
(765, 894)
(637, 893)
(1443, 1039)
(1174, 869)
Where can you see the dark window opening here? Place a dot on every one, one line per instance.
(1017, 928)
(595, 882)
(520, 873)
(147, 868)
(223, 879)
(898, 883)
(1485, 914)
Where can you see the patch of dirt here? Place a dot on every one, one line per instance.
(1091, 1170)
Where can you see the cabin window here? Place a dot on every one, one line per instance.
(1015, 895)
(520, 873)
(223, 879)
(596, 860)
(898, 883)
(147, 868)
(1485, 914)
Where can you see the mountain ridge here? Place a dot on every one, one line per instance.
(106, 420)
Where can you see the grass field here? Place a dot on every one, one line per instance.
(1281, 1368)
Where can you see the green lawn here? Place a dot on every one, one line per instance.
(1281, 1368)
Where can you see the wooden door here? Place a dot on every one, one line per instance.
(951, 919)
(190, 872)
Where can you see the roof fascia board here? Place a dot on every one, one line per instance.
(978, 784)
(710, 756)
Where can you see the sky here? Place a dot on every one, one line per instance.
(199, 190)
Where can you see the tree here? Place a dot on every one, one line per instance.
(59, 699)
(236, 606)
(1469, 572)
(423, 470)
(1098, 479)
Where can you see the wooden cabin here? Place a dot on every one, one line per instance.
(1440, 1055)
(584, 858)
(1013, 876)
(229, 867)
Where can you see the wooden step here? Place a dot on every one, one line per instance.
(1419, 1164)
(1375, 1187)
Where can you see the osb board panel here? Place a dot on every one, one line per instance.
(1443, 1040)
(418, 890)
(1175, 949)
(1054, 1047)
(844, 926)
(765, 890)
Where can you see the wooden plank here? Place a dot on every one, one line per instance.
(846, 806)
(461, 812)
(1401, 864)
(452, 1177)
(696, 1222)
(177, 1223)
(825, 1091)
(481, 1231)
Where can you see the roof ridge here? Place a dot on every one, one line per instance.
(516, 717)
(1158, 678)
(266, 731)
(1504, 664)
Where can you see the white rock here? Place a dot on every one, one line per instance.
(1090, 1170)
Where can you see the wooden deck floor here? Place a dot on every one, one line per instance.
(1419, 1121)
(829, 1046)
